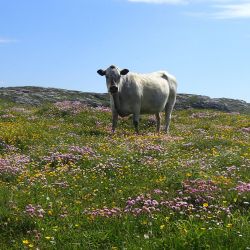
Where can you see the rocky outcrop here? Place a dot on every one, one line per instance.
(185, 101)
(38, 95)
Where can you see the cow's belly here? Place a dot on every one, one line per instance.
(153, 108)
(144, 108)
(153, 103)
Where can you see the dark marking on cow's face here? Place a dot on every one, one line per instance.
(113, 89)
(113, 76)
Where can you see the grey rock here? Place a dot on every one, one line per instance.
(36, 96)
(185, 101)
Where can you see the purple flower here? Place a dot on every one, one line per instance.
(13, 164)
(243, 187)
(61, 158)
(247, 130)
(158, 191)
(34, 211)
(85, 150)
(104, 212)
(74, 107)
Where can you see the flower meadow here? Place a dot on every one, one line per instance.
(67, 182)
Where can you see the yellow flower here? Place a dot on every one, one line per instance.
(188, 174)
(49, 212)
(162, 227)
(161, 179)
(205, 204)
(91, 217)
(48, 237)
(26, 242)
(229, 225)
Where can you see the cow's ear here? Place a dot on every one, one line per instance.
(101, 72)
(124, 72)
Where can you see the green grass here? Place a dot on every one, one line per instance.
(67, 183)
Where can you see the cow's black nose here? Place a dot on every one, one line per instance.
(113, 89)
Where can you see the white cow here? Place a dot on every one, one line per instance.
(140, 94)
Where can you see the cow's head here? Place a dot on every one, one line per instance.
(113, 76)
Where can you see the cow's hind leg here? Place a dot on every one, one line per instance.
(158, 122)
(168, 110)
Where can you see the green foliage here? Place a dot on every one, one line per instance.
(66, 182)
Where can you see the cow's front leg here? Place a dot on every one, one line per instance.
(114, 120)
(136, 118)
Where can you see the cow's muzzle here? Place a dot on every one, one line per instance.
(113, 89)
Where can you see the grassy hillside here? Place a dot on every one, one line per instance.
(67, 183)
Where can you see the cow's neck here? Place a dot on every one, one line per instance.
(117, 105)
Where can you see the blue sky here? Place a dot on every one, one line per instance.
(52, 43)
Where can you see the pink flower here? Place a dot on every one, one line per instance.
(243, 187)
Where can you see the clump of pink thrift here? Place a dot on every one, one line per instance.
(243, 187)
